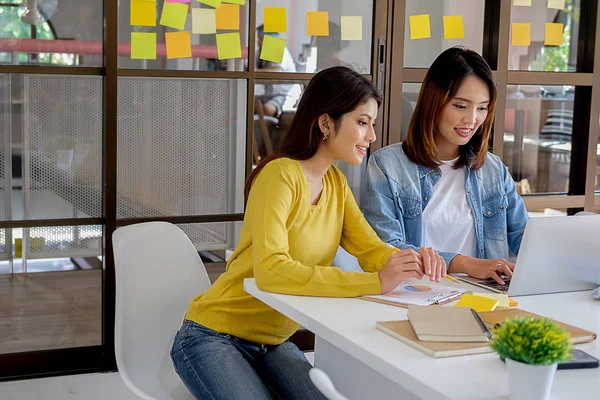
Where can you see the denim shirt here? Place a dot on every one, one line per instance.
(398, 191)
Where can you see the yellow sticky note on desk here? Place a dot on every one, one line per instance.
(521, 34)
(179, 44)
(272, 49)
(174, 15)
(501, 298)
(228, 17)
(453, 27)
(522, 3)
(204, 21)
(351, 27)
(419, 26)
(212, 3)
(554, 34)
(229, 45)
(275, 19)
(557, 4)
(142, 12)
(317, 23)
(143, 46)
(477, 303)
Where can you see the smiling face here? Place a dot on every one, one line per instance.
(353, 134)
(462, 117)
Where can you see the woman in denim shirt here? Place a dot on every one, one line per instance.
(440, 192)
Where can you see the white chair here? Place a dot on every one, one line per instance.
(158, 272)
(321, 380)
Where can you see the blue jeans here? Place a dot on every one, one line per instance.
(216, 366)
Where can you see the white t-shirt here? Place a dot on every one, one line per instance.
(448, 221)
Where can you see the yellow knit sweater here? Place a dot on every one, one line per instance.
(288, 245)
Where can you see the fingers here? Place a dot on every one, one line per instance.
(412, 267)
(442, 263)
(427, 262)
(506, 270)
(494, 275)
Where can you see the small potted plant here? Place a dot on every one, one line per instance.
(532, 349)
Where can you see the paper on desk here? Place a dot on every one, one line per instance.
(419, 293)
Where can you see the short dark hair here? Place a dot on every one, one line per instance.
(442, 81)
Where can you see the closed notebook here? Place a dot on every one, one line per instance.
(578, 335)
(446, 324)
(403, 331)
(477, 303)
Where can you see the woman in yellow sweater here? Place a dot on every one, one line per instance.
(299, 210)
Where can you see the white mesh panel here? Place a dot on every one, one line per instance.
(176, 147)
(213, 236)
(63, 135)
(65, 241)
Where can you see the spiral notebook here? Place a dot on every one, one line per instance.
(418, 294)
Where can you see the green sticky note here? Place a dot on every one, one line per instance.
(174, 15)
(419, 26)
(142, 12)
(272, 49)
(143, 46)
(240, 2)
(212, 3)
(204, 20)
(229, 45)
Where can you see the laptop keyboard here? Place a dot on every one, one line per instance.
(495, 285)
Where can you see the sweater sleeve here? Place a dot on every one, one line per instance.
(270, 202)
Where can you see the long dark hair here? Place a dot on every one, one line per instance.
(334, 91)
(441, 83)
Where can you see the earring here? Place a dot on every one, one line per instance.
(325, 135)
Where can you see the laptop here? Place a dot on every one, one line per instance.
(557, 254)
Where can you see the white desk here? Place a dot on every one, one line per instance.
(365, 363)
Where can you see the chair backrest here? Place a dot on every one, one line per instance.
(321, 380)
(158, 271)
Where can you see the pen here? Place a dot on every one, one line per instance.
(450, 278)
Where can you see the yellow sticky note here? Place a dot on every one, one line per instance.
(179, 44)
(477, 303)
(240, 2)
(272, 49)
(229, 45)
(212, 3)
(557, 4)
(554, 34)
(317, 23)
(419, 26)
(521, 34)
(351, 28)
(522, 3)
(453, 27)
(174, 15)
(501, 298)
(228, 17)
(204, 20)
(143, 46)
(142, 12)
(275, 19)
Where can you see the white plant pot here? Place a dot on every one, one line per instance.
(529, 382)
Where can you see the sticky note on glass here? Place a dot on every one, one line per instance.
(453, 27)
(178, 1)
(204, 20)
(228, 17)
(557, 4)
(317, 23)
(272, 49)
(229, 45)
(240, 2)
(143, 46)
(521, 34)
(275, 19)
(351, 28)
(142, 12)
(178, 44)
(212, 3)
(522, 3)
(174, 15)
(554, 34)
(419, 26)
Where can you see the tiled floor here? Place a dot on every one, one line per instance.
(79, 387)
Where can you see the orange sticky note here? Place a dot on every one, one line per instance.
(272, 49)
(557, 4)
(554, 34)
(317, 23)
(521, 34)
(142, 12)
(174, 15)
(179, 44)
(453, 27)
(419, 26)
(228, 17)
(275, 19)
(143, 46)
(229, 45)
(351, 27)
